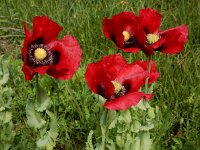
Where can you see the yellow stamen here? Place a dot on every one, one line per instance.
(40, 54)
(117, 86)
(127, 35)
(152, 38)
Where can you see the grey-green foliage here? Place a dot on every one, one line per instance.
(129, 129)
(7, 132)
(34, 118)
(48, 138)
(89, 144)
(180, 74)
(34, 108)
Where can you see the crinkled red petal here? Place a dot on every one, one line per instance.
(148, 97)
(149, 20)
(141, 41)
(131, 50)
(124, 102)
(175, 39)
(132, 76)
(70, 55)
(28, 72)
(27, 40)
(45, 28)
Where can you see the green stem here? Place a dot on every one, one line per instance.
(103, 128)
(147, 80)
(149, 69)
(36, 86)
(58, 96)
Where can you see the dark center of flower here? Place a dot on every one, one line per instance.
(39, 55)
(129, 41)
(119, 90)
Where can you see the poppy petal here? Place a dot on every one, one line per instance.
(45, 28)
(131, 50)
(124, 102)
(132, 76)
(28, 72)
(175, 39)
(154, 75)
(141, 41)
(149, 20)
(68, 55)
(27, 40)
(147, 97)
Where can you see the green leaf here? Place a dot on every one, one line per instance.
(145, 141)
(135, 127)
(128, 142)
(89, 145)
(150, 89)
(43, 100)
(5, 116)
(7, 134)
(42, 143)
(113, 124)
(125, 116)
(4, 72)
(136, 143)
(53, 126)
(147, 127)
(104, 117)
(34, 118)
(111, 144)
(111, 119)
(151, 113)
(141, 105)
(122, 127)
(48, 140)
(119, 141)
(6, 97)
(2, 108)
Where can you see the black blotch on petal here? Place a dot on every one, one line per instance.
(56, 57)
(130, 43)
(127, 87)
(38, 41)
(100, 90)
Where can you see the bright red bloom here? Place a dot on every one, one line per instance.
(121, 29)
(150, 39)
(145, 33)
(43, 53)
(118, 81)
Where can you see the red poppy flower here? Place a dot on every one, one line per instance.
(121, 30)
(43, 53)
(118, 81)
(143, 33)
(150, 39)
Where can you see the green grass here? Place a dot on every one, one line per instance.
(176, 94)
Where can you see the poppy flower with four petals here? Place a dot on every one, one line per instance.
(146, 35)
(119, 82)
(121, 29)
(43, 53)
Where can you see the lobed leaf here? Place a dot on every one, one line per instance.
(34, 118)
